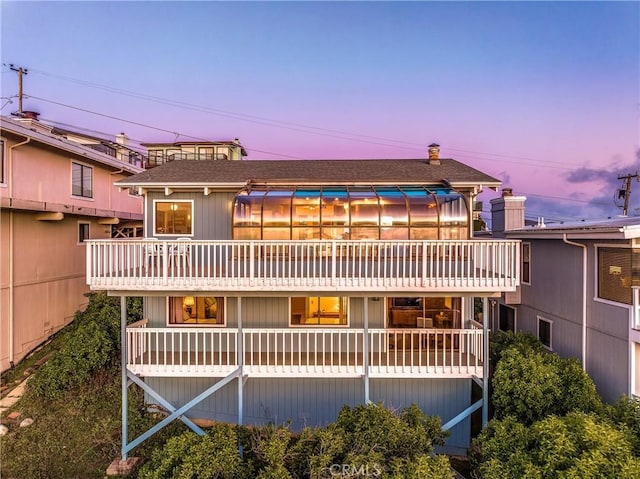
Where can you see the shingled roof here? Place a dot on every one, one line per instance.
(310, 172)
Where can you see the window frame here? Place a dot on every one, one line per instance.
(515, 317)
(596, 286)
(3, 158)
(79, 237)
(154, 211)
(169, 324)
(527, 281)
(91, 169)
(541, 319)
(347, 308)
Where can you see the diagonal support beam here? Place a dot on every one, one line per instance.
(180, 411)
(163, 402)
(463, 415)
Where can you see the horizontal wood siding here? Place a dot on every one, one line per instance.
(317, 402)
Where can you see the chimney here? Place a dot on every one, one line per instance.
(32, 115)
(122, 139)
(507, 213)
(434, 154)
(29, 119)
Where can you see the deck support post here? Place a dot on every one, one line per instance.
(485, 362)
(123, 366)
(240, 360)
(365, 350)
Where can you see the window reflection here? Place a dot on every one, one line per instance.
(372, 212)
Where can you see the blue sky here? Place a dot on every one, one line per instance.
(543, 95)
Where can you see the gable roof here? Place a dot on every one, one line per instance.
(229, 173)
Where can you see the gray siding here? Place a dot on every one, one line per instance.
(317, 402)
(212, 215)
(556, 294)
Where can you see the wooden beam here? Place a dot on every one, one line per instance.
(53, 216)
(109, 221)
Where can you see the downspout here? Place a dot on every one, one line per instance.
(11, 298)
(584, 297)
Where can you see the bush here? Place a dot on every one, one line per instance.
(575, 446)
(625, 413)
(187, 456)
(499, 342)
(531, 385)
(91, 343)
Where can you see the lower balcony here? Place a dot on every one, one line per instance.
(276, 266)
(305, 352)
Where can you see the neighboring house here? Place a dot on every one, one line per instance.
(578, 293)
(161, 153)
(55, 195)
(280, 291)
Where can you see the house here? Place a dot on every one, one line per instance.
(281, 290)
(55, 194)
(161, 153)
(579, 292)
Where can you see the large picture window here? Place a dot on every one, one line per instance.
(319, 311)
(203, 310)
(173, 217)
(81, 180)
(615, 274)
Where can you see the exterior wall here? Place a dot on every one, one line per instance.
(317, 402)
(211, 215)
(267, 312)
(555, 293)
(42, 175)
(48, 278)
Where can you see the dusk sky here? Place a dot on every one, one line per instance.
(544, 96)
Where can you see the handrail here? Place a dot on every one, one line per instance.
(490, 265)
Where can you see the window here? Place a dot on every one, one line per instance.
(544, 332)
(319, 310)
(615, 274)
(2, 180)
(526, 263)
(81, 180)
(507, 318)
(83, 232)
(204, 310)
(173, 217)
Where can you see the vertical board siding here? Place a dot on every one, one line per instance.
(317, 402)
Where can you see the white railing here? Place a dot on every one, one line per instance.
(472, 265)
(305, 352)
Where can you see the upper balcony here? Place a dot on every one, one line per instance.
(233, 267)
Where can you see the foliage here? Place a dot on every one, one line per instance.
(91, 343)
(531, 385)
(576, 446)
(500, 341)
(625, 413)
(77, 435)
(215, 455)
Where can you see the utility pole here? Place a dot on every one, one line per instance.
(21, 72)
(626, 191)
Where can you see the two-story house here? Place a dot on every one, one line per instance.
(55, 194)
(282, 290)
(579, 293)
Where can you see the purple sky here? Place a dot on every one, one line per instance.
(544, 96)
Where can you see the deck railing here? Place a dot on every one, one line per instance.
(305, 352)
(471, 265)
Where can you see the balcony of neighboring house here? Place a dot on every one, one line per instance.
(245, 266)
(305, 352)
(161, 158)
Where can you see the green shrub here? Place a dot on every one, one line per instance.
(266, 450)
(92, 342)
(189, 456)
(531, 385)
(625, 413)
(575, 446)
(500, 341)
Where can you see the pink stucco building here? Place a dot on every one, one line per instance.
(55, 194)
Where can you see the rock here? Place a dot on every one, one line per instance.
(26, 422)
(3, 430)
(14, 415)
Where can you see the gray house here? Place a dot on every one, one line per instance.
(280, 291)
(579, 292)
